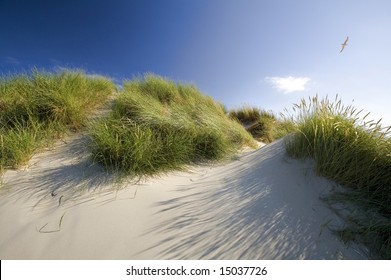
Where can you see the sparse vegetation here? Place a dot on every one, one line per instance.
(353, 152)
(37, 108)
(262, 125)
(158, 125)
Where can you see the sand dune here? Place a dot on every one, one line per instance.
(261, 205)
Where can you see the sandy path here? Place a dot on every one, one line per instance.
(262, 205)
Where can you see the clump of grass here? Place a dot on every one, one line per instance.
(42, 106)
(158, 125)
(246, 114)
(262, 125)
(351, 150)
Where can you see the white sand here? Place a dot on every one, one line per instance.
(262, 205)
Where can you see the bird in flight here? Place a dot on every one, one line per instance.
(344, 43)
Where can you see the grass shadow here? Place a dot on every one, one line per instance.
(258, 207)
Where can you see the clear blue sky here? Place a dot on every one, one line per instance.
(267, 53)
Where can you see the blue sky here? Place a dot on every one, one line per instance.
(264, 53)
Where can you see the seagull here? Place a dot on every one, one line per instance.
(344, 43)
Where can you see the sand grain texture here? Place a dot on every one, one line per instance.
(261, 205)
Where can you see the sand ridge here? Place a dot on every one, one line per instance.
(260, 205)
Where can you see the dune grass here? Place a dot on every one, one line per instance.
(353, 151)
(262, 125)
(247, 114)
(158, 125)
(36, 108)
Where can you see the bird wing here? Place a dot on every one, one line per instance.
(344, 44)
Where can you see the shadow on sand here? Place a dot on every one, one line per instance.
(58, 176)
(258, 207)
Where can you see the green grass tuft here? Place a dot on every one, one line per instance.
(158, 125)
(42, 106)
(262, 125)
(246, 114)
(350, 150)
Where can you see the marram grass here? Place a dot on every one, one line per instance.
(350, 150)
(262, 125)
(158, 125)
(36, 108)
(246, 114)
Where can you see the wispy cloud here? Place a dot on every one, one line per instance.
(11, 60)
(289, 84)
(55, 62)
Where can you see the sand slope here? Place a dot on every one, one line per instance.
(261, 205)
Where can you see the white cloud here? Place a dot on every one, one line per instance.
(289, 84)
(55, 61)
(11, 60)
